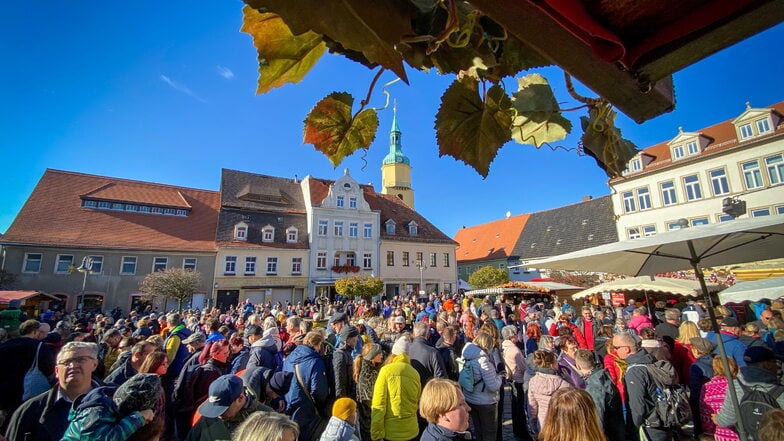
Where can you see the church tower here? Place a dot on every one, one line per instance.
(396, 168)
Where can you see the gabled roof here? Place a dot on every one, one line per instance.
(570, 228)
(490, 241)
(53, 215)
(722, 137)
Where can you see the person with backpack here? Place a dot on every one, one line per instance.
(758, 390)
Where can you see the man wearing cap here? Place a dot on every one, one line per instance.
(760, 372)
(345, 386)
(336, 322)
(228, 405)
(730, 330)
(424, 357)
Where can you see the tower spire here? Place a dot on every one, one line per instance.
(396, 167)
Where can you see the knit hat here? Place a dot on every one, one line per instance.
(195, 337)
(347, 332)
(138, 393)
(280, 382)
(374, 350)
(401, 346)
(344, 408)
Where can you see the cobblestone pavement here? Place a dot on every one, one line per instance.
(508, 434)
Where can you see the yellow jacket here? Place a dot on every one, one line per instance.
(395, 401)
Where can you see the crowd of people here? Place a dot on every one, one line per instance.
(398, 369)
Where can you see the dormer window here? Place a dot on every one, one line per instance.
(389, 226)
(692, 148)
(340, 201)
(292, 235)
(412, 228)
(746, 131)
(267, 233)
(763, 126)
(755, 122)
(241, 231)
(635, 165)
(677, 152)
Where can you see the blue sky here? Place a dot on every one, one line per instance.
(165, 92)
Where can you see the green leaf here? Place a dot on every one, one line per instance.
(471, 129)
(602, 141)
(539, 120)
(370, 27)
(283, 57)
(333, 131)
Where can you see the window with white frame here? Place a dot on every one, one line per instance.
(351, 259)
(446, 260)
(433, 260)
(353, 229)
(633, 233)
(635, 165)
(128, 266)
(321, 260)
(420, 260)
(189, 263)
(644, 198)
(367, 260)
(159, 264)
(340, 201)
(759, 212)
(390, 226)
(268, 233)
(763, 126)
(230, 265)
(724, 217)
(272, 265)
(352, 203)
(64, 261)
(412, 228)
(241, 232)
(692, 148)
(673, 225)
(780, 209)
(677, 152)
(323, 227)
(668, 193)
(752, 175)
(719, 183)
(292, 235)
(338, 228)
(32, 263)
(697, 221)
(368, 230)
(628, 202)
(336, 261)
(250, 265)
(390, 258)
(97, 264)
(649, 230)
(692, 185)
(775, 166)
(406, 261)
(296, 265)
(746, 131)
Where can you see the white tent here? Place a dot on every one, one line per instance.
(650, 284)
(770, 289)
(462, 284)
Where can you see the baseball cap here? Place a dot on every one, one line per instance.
(400, 319)
(348, 332)
(730, 322)
(223, 392)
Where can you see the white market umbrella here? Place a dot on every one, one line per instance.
(649, 284)
(725, 243)
(770, 289)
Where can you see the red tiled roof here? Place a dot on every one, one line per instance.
(493, 240)
(722, 137)
(53, 216)
(139, 193)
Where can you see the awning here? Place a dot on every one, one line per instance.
(7, 296)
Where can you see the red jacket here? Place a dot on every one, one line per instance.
(575, 331)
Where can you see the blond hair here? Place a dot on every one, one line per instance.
(439, 396)
(571, 417)
(265, 426)
(686, 331)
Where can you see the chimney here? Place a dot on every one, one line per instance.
(587, 198)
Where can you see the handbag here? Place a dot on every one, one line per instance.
(35, 382)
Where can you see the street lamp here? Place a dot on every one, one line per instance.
(212, 297)
(85, 267)
(422, 267)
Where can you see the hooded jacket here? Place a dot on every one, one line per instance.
(339, 430)
(396, 401)
(486, 379)
(94, 417)
(640, 387)
(541, 387)
(312, 374)
(263, 352)
(342, 366)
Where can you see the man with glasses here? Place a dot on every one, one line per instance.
(45, 417)
(640, 388)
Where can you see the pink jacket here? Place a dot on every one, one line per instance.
(711, 400)
(541, 387)
(638, 322)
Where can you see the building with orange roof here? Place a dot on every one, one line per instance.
(692, 177)
(127, 229)
(491, 244)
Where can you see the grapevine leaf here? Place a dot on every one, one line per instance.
(470, 129)
(283, 57)
(602, 140)
(373, 28)
(539, 119)
(333, 131)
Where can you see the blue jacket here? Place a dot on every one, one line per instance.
(312, 372)
(339, 430)
(181, 353)
(94, 416)
(734, 347)
(434, 432)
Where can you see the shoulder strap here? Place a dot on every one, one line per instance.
(302, 385)
(35, 360)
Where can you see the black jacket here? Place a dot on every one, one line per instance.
(640, 387)
(41, 418)
(608, 403)
(345, 386)
(17, 355)
(426, 360)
